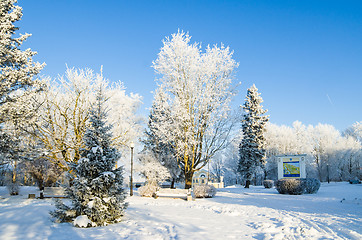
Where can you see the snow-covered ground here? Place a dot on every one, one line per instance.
(335, 212)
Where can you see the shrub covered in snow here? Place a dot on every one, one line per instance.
(13, 188)
(311, 185)
(204, 191)
(291, 186)
(268, 183)
(298, 186)
(148, 190)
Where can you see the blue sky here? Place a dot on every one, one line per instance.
(304, 56)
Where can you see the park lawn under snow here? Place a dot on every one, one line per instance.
(335, 212)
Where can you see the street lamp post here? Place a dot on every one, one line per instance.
(328, 172)
(131, 180)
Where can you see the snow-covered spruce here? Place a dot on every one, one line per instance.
(164, 153)
(17, 68)
(96, 190)
(252, 146)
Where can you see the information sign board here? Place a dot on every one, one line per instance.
(291, 166)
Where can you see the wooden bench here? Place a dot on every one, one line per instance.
(50, 192)
(186, 194)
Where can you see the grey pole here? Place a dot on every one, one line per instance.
(131, 182)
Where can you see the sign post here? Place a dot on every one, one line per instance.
(291, 166)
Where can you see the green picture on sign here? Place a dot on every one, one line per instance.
(291, 169)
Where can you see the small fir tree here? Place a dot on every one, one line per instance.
(252, 146)
(96, 192)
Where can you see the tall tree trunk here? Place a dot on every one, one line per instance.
(41, 184)
(14, 171)
(247, 183)
(173, 183)
(188, 179)
(248, 178)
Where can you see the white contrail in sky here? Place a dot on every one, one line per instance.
(329, 99)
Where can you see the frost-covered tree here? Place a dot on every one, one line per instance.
(43, 172)
(198, 89)
(96, 191)
(7, 143)
(325, 143)
(346, 161)
(163, 152)
(9, 155)
(353, 153)
(336, 157)
(152, 169)
(154, 172)
(17, 68)
(355, 131)
(216, 166)
(284, 140)
(252, 146)
(331, 156)
(17, 83)
(231, 172)
(65, 110)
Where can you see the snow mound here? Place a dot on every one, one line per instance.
(82, 221)
(95, 149)
(109, 174)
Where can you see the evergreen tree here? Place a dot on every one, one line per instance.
(7, 146)
(17, 85)
(163, 152)
(252, 146)
(17, 68)
(96, 191)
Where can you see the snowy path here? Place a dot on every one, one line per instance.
(235, 213)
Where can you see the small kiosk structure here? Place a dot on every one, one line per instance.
(291, 166)
(203, 177)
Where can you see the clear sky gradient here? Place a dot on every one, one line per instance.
(304, 56)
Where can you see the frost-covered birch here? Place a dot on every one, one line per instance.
(325, 140)
(198, 87)
(330, 155)
(65, 110)
(355, 131)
